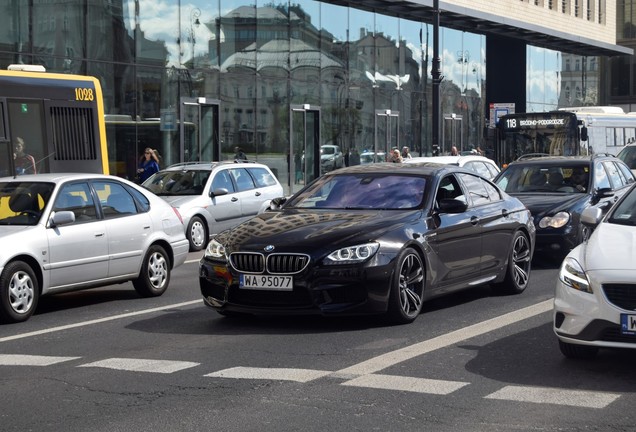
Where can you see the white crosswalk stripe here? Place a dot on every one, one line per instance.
(142, 365)
(577, 398)
(401, 383)
(31, 360)
(277, 374)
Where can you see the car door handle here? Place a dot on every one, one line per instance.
(99, 234)
(504, 213)
(257, 193)
(474, 220)
(234, 199)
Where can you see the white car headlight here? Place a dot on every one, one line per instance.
(556, 221)
(215, 250)
(352, 254)
(573, 275)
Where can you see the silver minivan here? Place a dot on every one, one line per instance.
(214, 196)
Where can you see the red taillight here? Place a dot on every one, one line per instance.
(178, 214)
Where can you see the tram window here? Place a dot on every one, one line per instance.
(26, 122)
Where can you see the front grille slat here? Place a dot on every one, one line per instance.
(277, 263)
(621, 295)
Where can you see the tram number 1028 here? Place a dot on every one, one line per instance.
(84, 94)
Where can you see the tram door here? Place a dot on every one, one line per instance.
(199, 130)
(304, 146)
(387, 137)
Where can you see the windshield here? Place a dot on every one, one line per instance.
(545, 178)
(185, 182)
(362, 191)
(21, 203)
(625, 212)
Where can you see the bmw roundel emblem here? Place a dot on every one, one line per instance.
(269, 248)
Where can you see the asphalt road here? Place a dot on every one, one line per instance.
(107, 360)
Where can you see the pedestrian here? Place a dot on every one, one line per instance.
(239, 154)
(406, 154)
(354, 159)
(24, 162)
(395, 156)
(454, 151)
(148, 164)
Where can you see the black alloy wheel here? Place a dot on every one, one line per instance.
(407, 288)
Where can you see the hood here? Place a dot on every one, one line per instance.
(611, 246)
(548, 204)
(302, 230)
(180, 200)
(7, 231)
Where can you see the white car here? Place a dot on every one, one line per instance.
(331, 157)
(214, 196)
(65, 232)
(595, 298)
(628, 155)
(483, 166)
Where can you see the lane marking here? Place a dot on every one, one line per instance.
(97, 321)
(401, 383)
(546, 395)
(32, 360)
(394, 357)
(142, 365)
(276, 374)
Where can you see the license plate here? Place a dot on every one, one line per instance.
(266, 282)
(628, 324)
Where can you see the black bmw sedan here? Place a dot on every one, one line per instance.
(371, 239)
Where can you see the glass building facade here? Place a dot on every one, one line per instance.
(196, 79)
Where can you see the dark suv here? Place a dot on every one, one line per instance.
(557, 189)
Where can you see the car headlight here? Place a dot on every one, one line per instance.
(557, 221)
(352, 254)
(573, 275)
(215, 250)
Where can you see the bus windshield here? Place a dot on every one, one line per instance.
(551, 133)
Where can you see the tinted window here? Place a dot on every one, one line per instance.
(600, 177)
(262, 177)
(614, 175)
(142, 201)
(626, 172)
(242, 178)
(222, 180)
(625, 212)
(628, 155)
(76, 197)
(389, 192)
(115, 199)
(479, 167)
(478, 193)
(449, 189)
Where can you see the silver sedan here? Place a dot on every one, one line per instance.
(65, 232)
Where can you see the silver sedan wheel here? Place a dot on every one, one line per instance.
(197, 234)
(157, 270)
(21, 292)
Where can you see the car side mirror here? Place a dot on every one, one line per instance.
(64, 217)
(219, 192)
(591, 216)
(603, 193)
(449, 205)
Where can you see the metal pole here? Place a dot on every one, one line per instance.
(437, 78)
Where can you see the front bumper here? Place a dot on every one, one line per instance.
(590, 318)
(330, 290)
